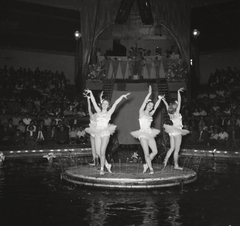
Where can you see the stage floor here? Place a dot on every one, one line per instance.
(128, 176)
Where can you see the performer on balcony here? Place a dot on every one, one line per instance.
(175, 131)
(103, 128)
(146, 134)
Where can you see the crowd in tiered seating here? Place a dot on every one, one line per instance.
(214, 115)
(35, 110)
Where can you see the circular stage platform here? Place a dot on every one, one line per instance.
(128, 176)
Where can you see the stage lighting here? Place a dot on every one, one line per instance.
(77, 35)
(196, 33)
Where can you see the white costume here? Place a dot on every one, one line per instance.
(176, 128)
(101, 127)
(145, 129)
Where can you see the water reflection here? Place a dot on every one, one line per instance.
(32, 189)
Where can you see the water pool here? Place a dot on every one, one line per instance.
(32, 193)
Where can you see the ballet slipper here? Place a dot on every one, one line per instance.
(165, 163)
(151, 171)
(145, 167)
(108, 166)
(177, 167)
(101, 172)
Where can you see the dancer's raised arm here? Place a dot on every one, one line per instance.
(165, 102)
(179, 100)
(112, 109)
(88, 91)
(146, 100)
(157, 104)
(101, 97)
(89, 106)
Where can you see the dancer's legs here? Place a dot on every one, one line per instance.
(94, 154)
(144, 144)
(178, 141)
(104, 144)
(152, 144)
(98, 143)
(170, 151)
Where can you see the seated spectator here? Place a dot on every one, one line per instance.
(191, 138)
(5, 135)
(81, 135)
(223, 121)
(51, 135)
(26, 120)
(37, 104)
(202, 112)
(215, 107)
(212, 95)
(223, 137)
(196, 112)
(21, 127)
(41, 134)
(66, 124)
(73, 135)
(201, 121)
(32, 124)
(75, 121)
(213, 121)
(47, 120)
(16, 118)
(58, 118)
(227, 111)
(18, 138)
(30, 139)
(214, 137)
(202, 136)
(81, 112)
(62, 136)
(12, 128)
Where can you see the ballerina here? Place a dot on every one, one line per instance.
(146, 134)
(175, 131)
(103, 129)
(92, 124)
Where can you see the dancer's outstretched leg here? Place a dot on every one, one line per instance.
(178, 141)
(170, 151)
(145, 147)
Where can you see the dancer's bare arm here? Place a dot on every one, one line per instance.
(112, 109)
(157, 104)
(165, 102)
(145, 100)
(179, 100)
(88, 91)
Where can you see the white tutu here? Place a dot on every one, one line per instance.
(145, 133)
(94, 131)
(173, 130)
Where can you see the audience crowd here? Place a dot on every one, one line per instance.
(35, 110)
(213, 117)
